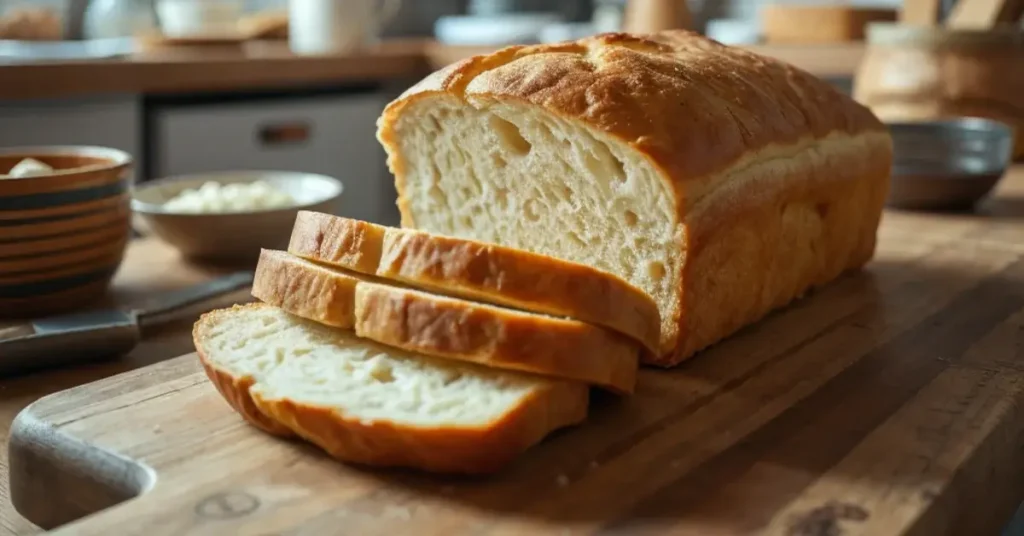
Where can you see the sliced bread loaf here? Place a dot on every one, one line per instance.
(479, 271)
(448, 327)
(723, 183)
(368, 403)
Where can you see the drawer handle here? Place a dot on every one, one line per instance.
(287, 133)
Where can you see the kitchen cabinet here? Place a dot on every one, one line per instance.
(331, 134)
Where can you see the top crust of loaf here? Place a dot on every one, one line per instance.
(695, 107)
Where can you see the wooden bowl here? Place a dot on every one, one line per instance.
(235, 237)
(62, 235)
(912, 73)
(809, 24)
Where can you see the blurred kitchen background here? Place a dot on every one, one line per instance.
(191, 86)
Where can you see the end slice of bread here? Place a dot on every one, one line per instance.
(479, 271)
(367, 403)
(448, 327)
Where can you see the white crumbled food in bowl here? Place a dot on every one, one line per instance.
(213, 197)
(27, 167)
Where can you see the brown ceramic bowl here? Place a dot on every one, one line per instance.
(63, 234)
(231, 237)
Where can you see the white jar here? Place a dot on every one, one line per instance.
(336, 26)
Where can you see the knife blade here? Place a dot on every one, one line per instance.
(93, 335)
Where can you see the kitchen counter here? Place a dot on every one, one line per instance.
(269, 65)
(995, 232)
(252, 66)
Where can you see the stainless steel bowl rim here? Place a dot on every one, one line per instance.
(954, 125)
(145, 207)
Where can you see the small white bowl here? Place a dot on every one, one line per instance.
(234, 237)
(192, 18)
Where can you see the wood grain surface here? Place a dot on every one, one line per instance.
(887, 403)
(149, 267)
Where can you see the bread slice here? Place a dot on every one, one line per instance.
(722, 183)
(447, 327)
(479, 271)
(366, 403)
(306, 289)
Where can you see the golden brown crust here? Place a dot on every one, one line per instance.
(234, 389)
(485, 449)
(693, 106)
(479, 271)
(344, 242)
(305, 289)
(495, 337)
(773, 253)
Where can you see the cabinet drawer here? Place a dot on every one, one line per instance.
(331, 135)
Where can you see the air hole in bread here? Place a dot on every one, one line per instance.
(501, 196)
(434, 124)
(530, 210)
(656, 270)
(592, 164)
(567, 193)
(382, 373)
(630, 218)
(498, 160)
(451, 378)
(620, 169)
(509, 136)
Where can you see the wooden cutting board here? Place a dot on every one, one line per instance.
(888, 403)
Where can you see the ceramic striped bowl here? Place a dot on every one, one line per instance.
(62, 235)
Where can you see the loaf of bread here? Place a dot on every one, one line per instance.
(447, 327)
(367, 403)
(484, 272)
(723, 183)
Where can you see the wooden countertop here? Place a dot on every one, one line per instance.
(251, 66)
(269, 65)
(149, 267)
(972, 246)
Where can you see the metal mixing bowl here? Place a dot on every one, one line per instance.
(947, 164)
